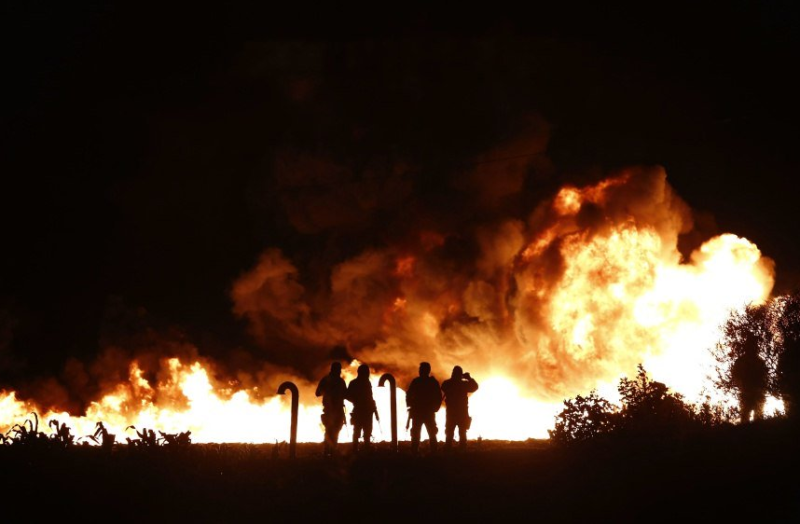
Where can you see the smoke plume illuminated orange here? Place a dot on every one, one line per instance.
(568, 299)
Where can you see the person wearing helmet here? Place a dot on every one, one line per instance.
(423, 399)
(359, 393)
(456, 391)
(332, 389)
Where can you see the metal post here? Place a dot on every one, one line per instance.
(393, 395)
(295, 404)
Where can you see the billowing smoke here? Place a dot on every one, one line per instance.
(404, 211)
(7, 325)
(555, 289)
(555, 294)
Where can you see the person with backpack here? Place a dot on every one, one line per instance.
(333, 390)
(359, 393)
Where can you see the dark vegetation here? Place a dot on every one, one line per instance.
(757, 355)
(655, 457)
(742, 472)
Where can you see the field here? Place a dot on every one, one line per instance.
(738, 473)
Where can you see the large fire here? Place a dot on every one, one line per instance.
(570, 300)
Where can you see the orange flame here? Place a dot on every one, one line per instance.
(592, 285)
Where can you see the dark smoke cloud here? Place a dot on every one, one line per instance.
(381, 175)
(455, 260)
(479, 289)
(8, 362)
(379, 230)
(320, 195)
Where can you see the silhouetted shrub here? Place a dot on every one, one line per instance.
(584, 418)
(708, 414)
(649, 408)
(62, 435)
(27, 434)
(103, 437)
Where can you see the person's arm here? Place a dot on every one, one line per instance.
(410, 395)
(320, 387)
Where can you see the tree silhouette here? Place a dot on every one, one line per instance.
(584, 418)
(651, 409)
(745, 355)
(708, 413)
(787, 374)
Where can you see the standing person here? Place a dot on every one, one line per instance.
(750, 375)
(332, 389)
(423, 398)
(359, 392)
(456, 390)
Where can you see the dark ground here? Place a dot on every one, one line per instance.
(739, 474)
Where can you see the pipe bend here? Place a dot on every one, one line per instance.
(386, 377)
(287, 385)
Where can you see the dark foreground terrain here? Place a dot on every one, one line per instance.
(737, 474)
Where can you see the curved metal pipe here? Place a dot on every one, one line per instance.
(295, 404)
(393, 395)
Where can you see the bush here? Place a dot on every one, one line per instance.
(650, 408)
(584, 418)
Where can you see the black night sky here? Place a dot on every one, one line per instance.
(138, 144)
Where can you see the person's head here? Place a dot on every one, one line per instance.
(457, 373)
(336, 368)
(424, 369)
(363, 370)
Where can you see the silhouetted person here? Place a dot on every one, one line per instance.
(359, 392)
(456, 390)
(750, 376)
(423, 399)
(332, 389)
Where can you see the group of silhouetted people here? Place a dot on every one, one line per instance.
(424, 398)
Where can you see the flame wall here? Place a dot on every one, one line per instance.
(566, 298)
